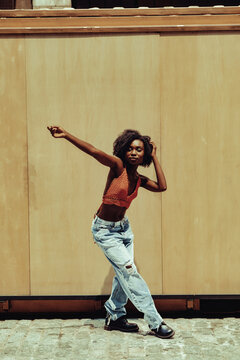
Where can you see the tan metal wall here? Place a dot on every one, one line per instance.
(200, 130)
(14, 235)
(180, 89)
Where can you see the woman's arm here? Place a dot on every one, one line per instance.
(160, 184)
(104, 158)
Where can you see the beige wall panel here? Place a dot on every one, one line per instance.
(201, 154)
(14, 264)
(94, 87)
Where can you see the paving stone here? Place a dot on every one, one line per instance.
(85, 339)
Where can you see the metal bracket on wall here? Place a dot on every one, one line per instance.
(5, 305)
(193, 304)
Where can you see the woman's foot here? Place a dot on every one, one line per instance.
(164, 331)
(121, 324)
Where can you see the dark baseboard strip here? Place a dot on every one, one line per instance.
(103, 297)
(93, 306)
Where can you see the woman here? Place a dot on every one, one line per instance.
(111, 229)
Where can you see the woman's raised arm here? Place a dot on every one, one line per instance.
(160, 184)
(104, 158)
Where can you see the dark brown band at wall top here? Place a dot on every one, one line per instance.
(142, 11)
(80, 4)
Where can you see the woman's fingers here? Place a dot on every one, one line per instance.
(53, 129)
(154, 147)
(56, 131)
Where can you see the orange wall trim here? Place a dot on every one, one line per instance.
(120, 21)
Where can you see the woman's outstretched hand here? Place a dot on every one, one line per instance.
(57, 131)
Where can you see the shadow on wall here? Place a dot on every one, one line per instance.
(107, 284)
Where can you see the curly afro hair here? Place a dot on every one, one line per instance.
(123, 141)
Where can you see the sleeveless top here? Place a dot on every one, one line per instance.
(117, 193)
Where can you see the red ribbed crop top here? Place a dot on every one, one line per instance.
(117, 193)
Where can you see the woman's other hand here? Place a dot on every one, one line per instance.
(57, 131)
(154, 148)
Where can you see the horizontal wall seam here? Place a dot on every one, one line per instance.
(123, 29)
(121, 12)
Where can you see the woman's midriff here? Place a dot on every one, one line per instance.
(111, 212)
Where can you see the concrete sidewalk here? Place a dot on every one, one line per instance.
(85, 339)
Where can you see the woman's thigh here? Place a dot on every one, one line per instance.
(114, 245)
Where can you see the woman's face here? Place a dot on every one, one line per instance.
(135, 152)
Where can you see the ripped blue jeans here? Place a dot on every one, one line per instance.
(116, 241)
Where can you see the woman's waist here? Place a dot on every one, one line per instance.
(111, 213)
(111, 224)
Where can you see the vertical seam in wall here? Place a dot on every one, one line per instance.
(160, 120)
(26, 109)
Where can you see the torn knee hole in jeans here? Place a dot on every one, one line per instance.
(130, 267)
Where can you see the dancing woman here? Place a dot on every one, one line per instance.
(111, 229)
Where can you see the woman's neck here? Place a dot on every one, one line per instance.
(131, 169)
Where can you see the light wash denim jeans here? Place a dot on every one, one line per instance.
(116, 241)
